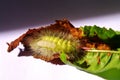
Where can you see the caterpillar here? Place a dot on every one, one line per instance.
(49, 43)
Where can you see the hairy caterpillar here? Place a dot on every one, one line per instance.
(49, 43)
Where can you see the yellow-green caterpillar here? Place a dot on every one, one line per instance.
(49, 43)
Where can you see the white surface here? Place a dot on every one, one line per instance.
(29, 68)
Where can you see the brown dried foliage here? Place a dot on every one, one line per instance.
(60, 25)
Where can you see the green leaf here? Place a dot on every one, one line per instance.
(117, 32)
(102, 33)
(63, 57)
(108, 36)
(97, 62)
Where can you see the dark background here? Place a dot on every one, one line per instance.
(16, 14)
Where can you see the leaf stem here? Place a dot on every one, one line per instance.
(104, 51)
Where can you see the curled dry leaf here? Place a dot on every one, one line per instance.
(62, 31)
